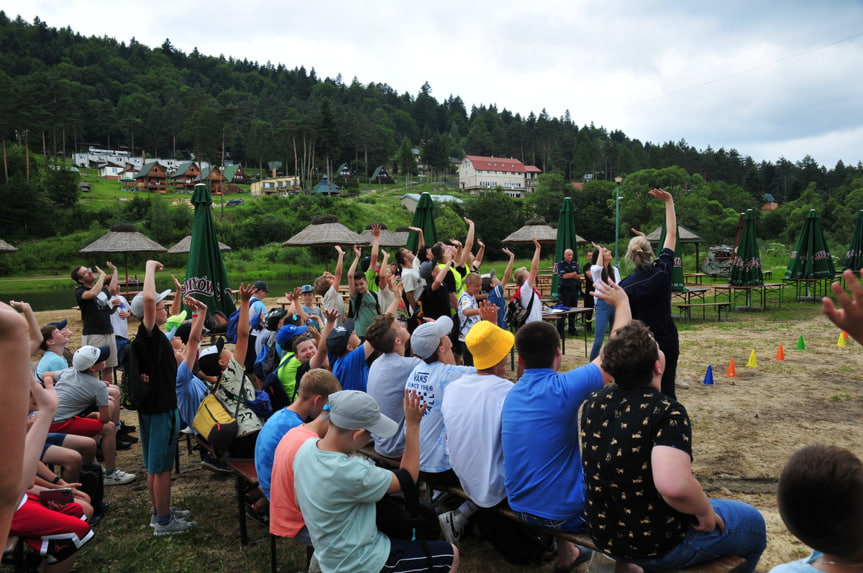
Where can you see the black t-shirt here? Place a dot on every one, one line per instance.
(436, 302)
(156, 359)
(626, 515)
(95, 312)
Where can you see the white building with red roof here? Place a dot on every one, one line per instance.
(477, 173)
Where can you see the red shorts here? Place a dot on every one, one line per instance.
(56, 535)
(79, 426)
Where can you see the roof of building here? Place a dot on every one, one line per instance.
(509, 164)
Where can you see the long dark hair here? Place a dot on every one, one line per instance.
(607, 272)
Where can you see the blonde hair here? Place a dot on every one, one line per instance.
(520, 275)
(640, 252)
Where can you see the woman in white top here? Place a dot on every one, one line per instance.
(601, 269)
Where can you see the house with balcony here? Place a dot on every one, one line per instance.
(152, 177)
(184, 176)
(477, 173)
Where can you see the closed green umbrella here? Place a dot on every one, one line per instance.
(854, 256)
(811, 258)
(746, 264)
(424, 219)
(676, 272)
(566, 239)
(206, 278)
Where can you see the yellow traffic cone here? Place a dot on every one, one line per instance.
(841, 342)
(752, 361)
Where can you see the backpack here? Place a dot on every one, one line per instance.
(273, 386)
(355, 304)
(516, 315)
(135, 389)
(267, 360)
(406, 517)
(231, 329)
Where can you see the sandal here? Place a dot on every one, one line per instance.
(584, 554)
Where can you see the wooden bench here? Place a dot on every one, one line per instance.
(686, 309)
(726, 564)
(246, 480)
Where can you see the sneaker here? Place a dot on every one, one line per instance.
(176, 525)
(452, 524)
(258, 516)
(118, 477)
(178, 513)
(215, 465)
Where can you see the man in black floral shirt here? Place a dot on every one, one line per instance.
(644, 506)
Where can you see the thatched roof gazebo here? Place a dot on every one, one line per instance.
(325, 231)
(389, 239)
(185, 245)
(684, 236)
(123, 238)
(6, 247)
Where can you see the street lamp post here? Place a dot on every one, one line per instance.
(617, 218)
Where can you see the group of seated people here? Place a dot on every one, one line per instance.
(599, 449)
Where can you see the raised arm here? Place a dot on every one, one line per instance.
(382, 275)
(177, 304)
(422, 241)
(340, 264)
(507, 274)
(149, 294)
(33, 330)
(15, 388)
(199, 314)
(670, 218)
(114, 283)
(534, 262)
(97, 287)
(376, 245)
(46, 402)
(414, 408)
(352, 289)
(331, 316)
(477, 260)
(397, 289)
(243, 322)
(468, 242)
(615, 296)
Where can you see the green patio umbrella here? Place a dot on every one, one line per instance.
(206, 278)
(424, 219)
(746, 264)
(854, 256)
(566, 239)
(677, 272)
(811, 258)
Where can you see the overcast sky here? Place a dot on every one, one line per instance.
(769, 78)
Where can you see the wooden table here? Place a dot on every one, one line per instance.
(761, 291)
(688, 295)
(810, 290)
(559, 318)
(697, 278)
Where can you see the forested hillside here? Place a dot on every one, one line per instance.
(61, 92)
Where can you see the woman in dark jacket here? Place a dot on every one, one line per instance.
(649, 289)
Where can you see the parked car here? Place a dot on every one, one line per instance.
(236, 201)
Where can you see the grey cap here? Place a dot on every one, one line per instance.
(137, 306)
(355, 410)
(426, 338)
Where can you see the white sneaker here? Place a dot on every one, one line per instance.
(176, 525)
(178, 513)
(452, 524)
(119, 477)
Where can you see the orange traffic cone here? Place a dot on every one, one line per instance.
(780, 354)
(732, 371)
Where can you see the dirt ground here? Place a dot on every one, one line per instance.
(744, 428)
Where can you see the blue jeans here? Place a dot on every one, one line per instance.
(744, 535)
(603, 316)
(572, 525)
